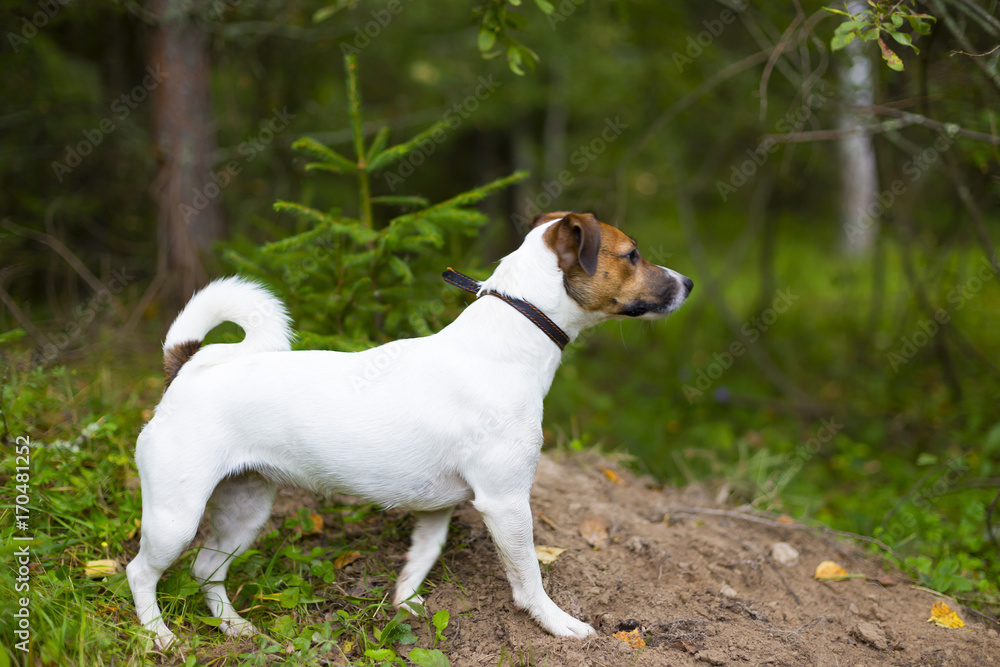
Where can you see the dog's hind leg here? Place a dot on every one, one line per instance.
(428, 538)
(167, 529)
(238, 509)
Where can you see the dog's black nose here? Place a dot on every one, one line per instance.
(688, 284)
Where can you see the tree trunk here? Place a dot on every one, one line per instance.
(859, 178)
(190, 217)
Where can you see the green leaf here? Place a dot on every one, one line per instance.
(381, 654)
(440, 620)
(400, 268)
(428, 658)
(289, 597)
(841, 39)
(487, 38)
(891, 59)
(903, 39)
(836, 11)
(925, 459)
(323, 13)
(546, 6)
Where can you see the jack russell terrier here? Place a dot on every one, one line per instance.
(454, 417)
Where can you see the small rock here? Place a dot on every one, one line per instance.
(713, 657)
(784, 553)
(854, 609)
(870, 634)
(728, 591)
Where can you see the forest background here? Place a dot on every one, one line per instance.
(829, 180)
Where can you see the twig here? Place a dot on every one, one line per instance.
(92, 281)
(904, 118)
(775, 54)
(959, 34)
(770, 561)
(975, 55)
(794, 526)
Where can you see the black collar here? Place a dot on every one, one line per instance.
(537, 317)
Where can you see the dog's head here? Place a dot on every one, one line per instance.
(604, 273)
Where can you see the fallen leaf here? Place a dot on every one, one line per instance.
(941, 614)
(595, 531)
(345, 559)
(632, 638)
(830, 570)
(785, 519)
(685, 646)
(884, 580)
(612, 475)
(547, 555)
(101, 568)
(317, 525)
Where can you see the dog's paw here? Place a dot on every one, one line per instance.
(567, 626)
(239, 628)
(164, 640)
(410, 603)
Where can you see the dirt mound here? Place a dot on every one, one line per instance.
(699, 588)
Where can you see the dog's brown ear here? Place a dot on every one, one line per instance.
(576, 241)
(542, 218)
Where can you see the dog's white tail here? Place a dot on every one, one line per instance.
(262, 316)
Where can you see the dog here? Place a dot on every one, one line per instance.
(451, 417)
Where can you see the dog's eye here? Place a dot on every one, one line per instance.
(633, 256)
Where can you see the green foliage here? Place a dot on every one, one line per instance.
(350, 281)
(880, 18)
(497, 20)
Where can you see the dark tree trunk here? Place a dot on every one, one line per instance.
(190, 220)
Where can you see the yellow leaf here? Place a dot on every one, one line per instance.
(632, 638)
(830, 570)
(612, 475)
(941, 614)
(345, 559)
(316, 527)
(101, 568)
(547, 555)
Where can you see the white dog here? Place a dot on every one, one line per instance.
(451, 417)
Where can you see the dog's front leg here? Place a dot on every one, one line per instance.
(509, 522)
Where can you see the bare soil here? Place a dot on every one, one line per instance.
(701, 589)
